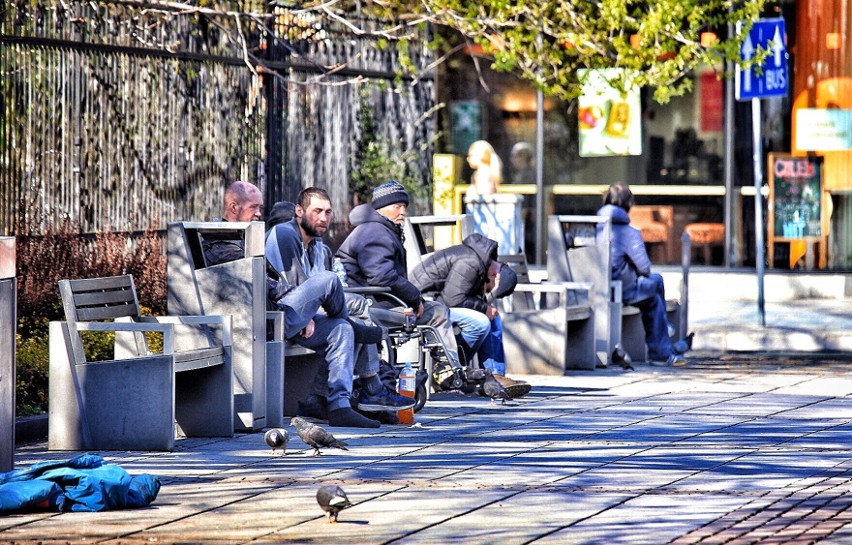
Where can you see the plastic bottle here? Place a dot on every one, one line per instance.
(406, 385)
(340, 271)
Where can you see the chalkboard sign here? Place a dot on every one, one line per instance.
(795, 196)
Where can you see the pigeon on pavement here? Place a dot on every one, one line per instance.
(494, 389)
(332, 499)
(315, 436)
(621, 358)
(684, 345)
(276, 438)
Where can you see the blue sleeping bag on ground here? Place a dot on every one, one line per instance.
(84, 483)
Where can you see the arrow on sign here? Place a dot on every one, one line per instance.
(748, 51)
(777, 46)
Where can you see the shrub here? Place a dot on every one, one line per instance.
(31, 375)
(43, 260)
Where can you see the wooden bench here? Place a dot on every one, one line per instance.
(134, 401)
(548, 327)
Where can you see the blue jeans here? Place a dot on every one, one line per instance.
(649, 295)
(491, 353)
(474, 325)
(333, 336)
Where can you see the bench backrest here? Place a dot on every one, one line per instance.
(578, 251)
(97, 299)
(236, 288)
(426, 234)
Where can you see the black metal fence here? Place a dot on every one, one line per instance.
(127, 115)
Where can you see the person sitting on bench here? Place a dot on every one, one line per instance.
(331, 334)
(639, 286)
(296, 250)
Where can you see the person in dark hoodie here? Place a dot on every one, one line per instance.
(639, 286)
(461, 277)
(373, 255)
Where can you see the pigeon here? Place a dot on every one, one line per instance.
(684, 345)
(494, 389)
(621, 358)
(276, 438)
(315, 436)
(332, 499)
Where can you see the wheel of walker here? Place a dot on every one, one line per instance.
(419, 397)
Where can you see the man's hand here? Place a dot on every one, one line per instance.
(419, 312)
(491, 312)
(309, 329)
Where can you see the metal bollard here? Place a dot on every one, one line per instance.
(685, 261)
(8, 324)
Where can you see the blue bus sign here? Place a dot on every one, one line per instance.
(773, 79)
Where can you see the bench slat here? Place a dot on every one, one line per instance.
(107, 282)
(199, 359)
(89, 314)
(103, 298)
(578, 312)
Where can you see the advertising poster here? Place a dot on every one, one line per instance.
(796, 196)
(610, 121)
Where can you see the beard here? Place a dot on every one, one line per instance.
(313, 230)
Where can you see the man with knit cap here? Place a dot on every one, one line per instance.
(373, 255)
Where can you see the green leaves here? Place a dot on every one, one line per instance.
(657, 42)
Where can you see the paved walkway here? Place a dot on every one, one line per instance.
(728, 450)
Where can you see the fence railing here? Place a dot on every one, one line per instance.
(128, 115)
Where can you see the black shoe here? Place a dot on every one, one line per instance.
(383, 417)
(347, 418)
(385, 400)
(313, 406)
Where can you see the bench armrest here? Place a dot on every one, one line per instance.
(168, 330)
(224, 321)
(367, 290)
(275, 323)
(584, 290)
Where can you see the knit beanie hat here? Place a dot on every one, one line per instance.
(389, 193)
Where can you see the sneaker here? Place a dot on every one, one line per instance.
(313, 406)
(385, 400)
(675, 360)
(515, 388)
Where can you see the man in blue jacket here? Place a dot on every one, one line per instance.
(296, 250)
(639, 286)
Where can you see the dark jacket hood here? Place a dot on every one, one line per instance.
(483, 246)
(619, 215)
(364, 213)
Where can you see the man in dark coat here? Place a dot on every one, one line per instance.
(461, 277)
(373, 255)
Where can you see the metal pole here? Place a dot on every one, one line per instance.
(539, 178)
(758, 208)
(728, 155)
